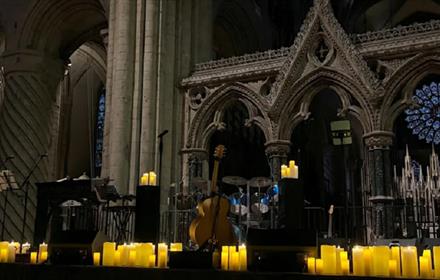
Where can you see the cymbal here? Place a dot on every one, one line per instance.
(259, 182)
(234, 180)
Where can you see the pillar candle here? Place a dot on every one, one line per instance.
(311, 265)
(345, 267)
(142, 253)
(96, 258)
(338, 260)
(328, 256)
(33, 257)
(123, 251)
(243, 257)
(152, 179)
(25, 248)
(144, 179)
(11, 252)
(392, 266)
(291, 168)
(425, 272)
(284, 172)
(152, 260)
(436, 250)
(42, 248)
(368, 265)
(108, 258)
(234, 264)
(3, 255)
(117, 258)
(427, 255)
(409, 262)
(231, 252)
(381, 257)
(395, 255)
(224, 258)
(319, 266)
(358, 261)
(132, 257)
(43, 257)
(176, 247)
(162, 255)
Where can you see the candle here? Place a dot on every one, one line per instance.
(142, 253)
(358, 261)
(144, 179)
(328, 256)
(395, 255)
(425, 271)
(109, 249)
(152, 179)
(231, 252)
(176, 247)
(33, 257)
(319, 266)
(42, 249)
(436, 250)
(392, 266)
(242, 258)
(311, 265)
(381, 257)
(345, 267)
(124, 251)
(224, 258)
(132, 257)
(25, 248)
(234, 265)
(368, 265)
(338, 260)
(11, 252)
(409, 262)
(43, 256)
(117, 258)
(284, 171)
(427, 255)
(3, 255)
(152, 260)
(96, 258)
(162, 256)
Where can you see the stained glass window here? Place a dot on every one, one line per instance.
(424, 118)
(99, 138)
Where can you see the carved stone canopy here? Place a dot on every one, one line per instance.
(379, 139)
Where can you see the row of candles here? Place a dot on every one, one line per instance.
(233, 259)
(290, 171)
(380, 261)
(9, 250)
(149, 179)
(135, 254)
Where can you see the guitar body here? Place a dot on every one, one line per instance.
(212, 221)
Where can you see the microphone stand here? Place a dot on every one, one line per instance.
(25, 185)
(160, 136)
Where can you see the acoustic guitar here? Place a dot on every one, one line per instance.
(211, 227)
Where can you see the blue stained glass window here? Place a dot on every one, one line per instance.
(99, 137)
(424, 119)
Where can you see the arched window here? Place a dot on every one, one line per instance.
(424, 118)
(99, 139)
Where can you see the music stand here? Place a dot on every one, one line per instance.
(7, 183)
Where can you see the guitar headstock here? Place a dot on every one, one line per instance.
(219, 152)
(330, 211)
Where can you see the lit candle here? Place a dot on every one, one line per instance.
(3, 255)
(292, 169)
(395, 255)
(328, 256)
(381, 257)
(43, 256)
(436, 261)
(234, 265)
(176, 247)
(25, 248)
(152, 260)
(319, 266)
(231, 253)
(345, 267)
(142, 254)
(242, 257)
(425, 272)
(144, 179)
(409, 262)
(132, 257)
(358, 261)
(225, 258)
(108, 253)
(42, 249)
(427, 255)
(368, 265)
(311, 265)
(284, 172)
(162, 256)
(117, 258)
(96, 258)
(392, 266)
(339, 250)
(33, 257)
(152, 179)
(124, 252)
(11, 252)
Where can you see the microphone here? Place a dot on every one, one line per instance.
(163, 133)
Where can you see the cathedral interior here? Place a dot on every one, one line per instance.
(104, 91)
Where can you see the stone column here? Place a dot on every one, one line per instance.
(277, 152)
(26, 123)
(378, 144)
(194, 167)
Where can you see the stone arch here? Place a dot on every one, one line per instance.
(297, 103)
(60, 27)
(404, 81)
(206, 120)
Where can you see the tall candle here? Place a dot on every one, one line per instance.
(33, 257)
(409, 262)
(96, 258)
(358, 261)
(338, 260)
(436, 250)
(152, 260)
(124, 251)
(108, 253)
(11, 252)
(368, 265)
(395, 255)
(234, 264)
(117, 258)
(311, 265)
(243, 257)
(392, 266)
(42, 249)
(25, 247)
(144, 179)
(381, 257)
(224, 261)
(284, 171)
(162, 255)
(425, 272)
(231, 253)
(43, 257)
(328, 256)
(319, 266)
(142, 253)
(3, 255)
(132, 257)
(152, 179)
(345, 267)
(427, 255)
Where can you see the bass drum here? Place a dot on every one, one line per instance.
(238, 204)
(260, 203)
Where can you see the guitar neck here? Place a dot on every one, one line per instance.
(330, 222)
(214, 177)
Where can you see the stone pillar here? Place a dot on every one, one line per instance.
(277, 152)
(194, 167)
(378, 144)
(27, 123)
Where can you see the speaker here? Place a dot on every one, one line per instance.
(75, 247)
(147, 220)
(291, 203)
(401, 242)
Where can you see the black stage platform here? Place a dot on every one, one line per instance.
(51, 272)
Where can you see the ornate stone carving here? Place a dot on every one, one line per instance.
(196, 96)
(379, 139)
